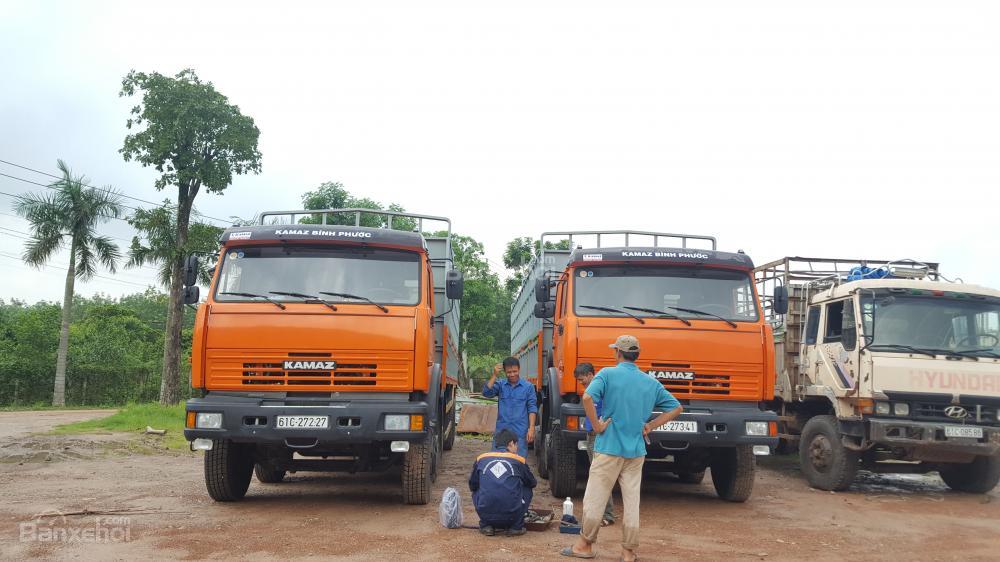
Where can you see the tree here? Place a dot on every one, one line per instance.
(158, 229)
(195, 139)
(71, 211)
(518, 256)
(333, 195)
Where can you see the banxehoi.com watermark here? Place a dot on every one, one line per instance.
(54, 527)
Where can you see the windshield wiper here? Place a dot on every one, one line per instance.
(311, 299)
(703, 313)
(609, 309)
(658, 313)
(903, 347)
(256, 296)
(989, 352)
(359, 297)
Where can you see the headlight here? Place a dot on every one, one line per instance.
(757, 428)
(206, 420)
(397, 422)
(901, 409)
(882, 408)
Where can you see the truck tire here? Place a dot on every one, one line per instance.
(449, 438)
(542, 452)
(417, 473)
(733, 473)
(267, 475)
(691, 477)
(228, 469)
(977, 477)
(562, 473)
(826, 462)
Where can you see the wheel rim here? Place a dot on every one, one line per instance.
(821, 453)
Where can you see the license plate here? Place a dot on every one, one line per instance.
(302, 422)
(963, 431)
(679, 427)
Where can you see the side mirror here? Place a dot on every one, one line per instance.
(454, 285)
(545, 309)
(542, 291)
(191, 294)
(780, 303)
(190, 271)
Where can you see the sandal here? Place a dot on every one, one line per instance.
(607, 522)
(568, 551)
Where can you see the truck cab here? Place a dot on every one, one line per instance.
(696, 315)
(889, 368)
(326, 347)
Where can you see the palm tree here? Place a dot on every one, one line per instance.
(71, 211)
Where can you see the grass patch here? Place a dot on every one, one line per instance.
(134, 418)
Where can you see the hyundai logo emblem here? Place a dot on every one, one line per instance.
(956, 412)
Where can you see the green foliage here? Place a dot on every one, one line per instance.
(157, 242)
(333, 195)
(134, 418)
(115, 349)
(192, 135)
(518, 255)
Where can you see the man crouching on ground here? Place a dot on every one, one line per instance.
(501, 485)
(629, 397)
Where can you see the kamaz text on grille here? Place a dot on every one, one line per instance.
(309, 365)
(672, 375)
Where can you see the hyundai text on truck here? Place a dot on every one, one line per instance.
(325, 347)
(701, 332)
(887, 367)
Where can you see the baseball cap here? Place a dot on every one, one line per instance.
(626, 343)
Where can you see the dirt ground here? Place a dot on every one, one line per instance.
(157, 508)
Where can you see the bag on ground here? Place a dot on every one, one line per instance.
(450, 511)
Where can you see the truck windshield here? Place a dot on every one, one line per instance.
(384, 276)
(703, 293)
(953, 323)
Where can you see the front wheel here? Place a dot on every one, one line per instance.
(977, 477)
(826, 462)
(562, 473)
(267, 475)
(691, 477)
(228, 469)
(417, 473)
(733, 473)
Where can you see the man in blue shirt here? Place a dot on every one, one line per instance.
(501, 485)
(517, 404)
(629, 397)
(584, 374)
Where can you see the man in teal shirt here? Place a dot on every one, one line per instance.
(629, 397)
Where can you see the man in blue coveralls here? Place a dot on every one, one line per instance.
(516, 404)
(501, 485)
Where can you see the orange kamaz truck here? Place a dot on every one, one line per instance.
(698, 319)
(326, 347)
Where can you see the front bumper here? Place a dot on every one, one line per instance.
(719, 424)
(352, 421)
(906, 433)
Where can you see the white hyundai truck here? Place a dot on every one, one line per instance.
(887, 367)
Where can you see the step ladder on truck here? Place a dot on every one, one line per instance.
(702, 334)
(885, 366)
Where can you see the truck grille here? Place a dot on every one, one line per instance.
(985, 415)
(383, 370)
(716, 380)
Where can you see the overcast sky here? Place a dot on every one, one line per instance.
(783, 128)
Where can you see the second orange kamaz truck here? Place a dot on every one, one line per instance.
(326, 348)
(698, 319)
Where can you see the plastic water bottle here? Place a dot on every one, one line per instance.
(568, 507)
